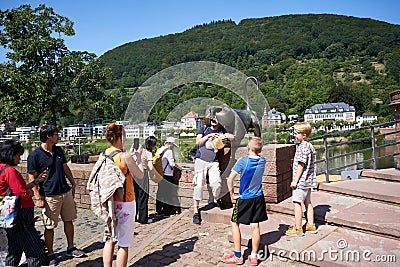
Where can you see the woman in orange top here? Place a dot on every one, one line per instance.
(125, 206)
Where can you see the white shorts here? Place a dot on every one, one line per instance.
(301, 195)
(201, 170)
(125, 213)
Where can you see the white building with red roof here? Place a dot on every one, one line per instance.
(189, 121)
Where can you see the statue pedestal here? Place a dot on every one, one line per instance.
(278, 171)
(395, 106)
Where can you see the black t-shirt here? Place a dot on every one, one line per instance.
(56, 183)
(205, 130)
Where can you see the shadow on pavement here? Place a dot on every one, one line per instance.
(266, 240)
(92, 263)
(169, 253)
(95, 246)
(320, 212)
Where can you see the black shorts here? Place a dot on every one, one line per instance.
(251, 210)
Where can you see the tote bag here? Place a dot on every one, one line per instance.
(9, 208)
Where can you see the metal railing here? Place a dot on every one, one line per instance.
(326, 159)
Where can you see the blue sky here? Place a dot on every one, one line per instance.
(101, 25)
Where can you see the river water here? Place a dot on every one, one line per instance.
(388, 162)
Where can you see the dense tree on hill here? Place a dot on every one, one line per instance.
(41, 78)
(299, 59)
(269, 40)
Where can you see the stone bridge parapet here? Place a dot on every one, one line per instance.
(276, 179)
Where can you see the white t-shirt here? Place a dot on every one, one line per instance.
(305, 153)
(168, 160)
(146, 157)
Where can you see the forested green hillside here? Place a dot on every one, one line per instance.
(300, 60)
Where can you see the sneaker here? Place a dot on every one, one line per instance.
(232, 259)
(149, 221)
(294, 231)
(253, 261)
(196, 218)
(160, 215)
(74, 252)
(311, 228)
(51, 259)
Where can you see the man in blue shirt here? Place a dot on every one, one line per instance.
(206, 164)
(55, 195)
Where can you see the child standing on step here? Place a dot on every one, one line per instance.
(250, 208)
(304, 179)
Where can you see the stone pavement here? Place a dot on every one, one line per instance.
(87, 227)
(170, 241)
(357, 230)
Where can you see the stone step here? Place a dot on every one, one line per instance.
(355, 213)
(390, 174)
(215, 215)
(358, 223)
(331, 246)
(368, 188)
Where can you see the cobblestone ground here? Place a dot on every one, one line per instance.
(87, 226)
(172, 241)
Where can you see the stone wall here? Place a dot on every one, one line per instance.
(278, 171)
(81, 174)
(276, 180)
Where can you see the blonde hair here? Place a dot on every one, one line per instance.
(303, 127)
(255, 145)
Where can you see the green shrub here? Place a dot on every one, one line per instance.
(361, 134)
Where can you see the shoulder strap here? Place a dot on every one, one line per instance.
(4, 168)
(9, 192)
(204, 130)
(162, 153)
(208, 129)
(167, 160)
(165, 150)
(111, 156)
(105, 157)
(166, 165)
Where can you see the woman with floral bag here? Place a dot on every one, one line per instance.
(22, 238)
